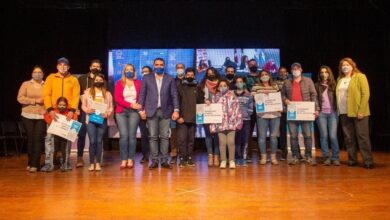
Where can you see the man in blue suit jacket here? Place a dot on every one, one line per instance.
(160, 104)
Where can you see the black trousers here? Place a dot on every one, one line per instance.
(81, 135)
(185, 138)
(252, 143)
(282, 143)
(60, 145)
(357, 134)
(36, 131)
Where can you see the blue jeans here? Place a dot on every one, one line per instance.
(263, 124)
(127, 124)
(210, 139)
(327, 125)
(158, 127)
(95, 135)
(49, 150)
(306, 132)
(241, 139)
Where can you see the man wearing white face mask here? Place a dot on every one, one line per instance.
(300, 89)
(180, 73)
(60, 84)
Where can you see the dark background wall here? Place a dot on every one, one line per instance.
(311, 32)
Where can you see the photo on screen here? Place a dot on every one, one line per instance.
(238, 58)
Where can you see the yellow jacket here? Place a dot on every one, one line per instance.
(57, 86)
(358, 95)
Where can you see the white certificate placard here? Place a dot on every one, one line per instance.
(268, 102)
(209, 114)
(64, 128)
(100, 108)
(301, 111)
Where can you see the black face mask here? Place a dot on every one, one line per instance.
(95, 71)
(190, 79)
(230, 76)
(62, 109)
(99, 84)
(253, 69)
(211, 77)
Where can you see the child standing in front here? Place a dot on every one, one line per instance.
(59, 142)
(231, 121)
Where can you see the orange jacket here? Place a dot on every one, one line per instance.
(57, 86)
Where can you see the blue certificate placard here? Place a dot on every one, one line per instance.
(260, 107)
(98, 119)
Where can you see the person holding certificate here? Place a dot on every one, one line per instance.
(97, 104)
(353, 94)
(267, 119)
(327, 120)
(127, 91)
(300, 89)
(231, 121)
(208, 87)
(60, 143)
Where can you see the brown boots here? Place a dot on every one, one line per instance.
(213, 160)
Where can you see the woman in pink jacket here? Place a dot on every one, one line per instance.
(127, 91)
(97, 104)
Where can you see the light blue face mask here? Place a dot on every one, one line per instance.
(346, 69)
(240, 85)
(223, 89)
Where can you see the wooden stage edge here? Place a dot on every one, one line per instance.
(200, 192)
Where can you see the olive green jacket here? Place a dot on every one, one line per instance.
(358, 95)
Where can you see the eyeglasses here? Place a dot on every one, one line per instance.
(324, 72)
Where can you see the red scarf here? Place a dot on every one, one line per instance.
(212, 86)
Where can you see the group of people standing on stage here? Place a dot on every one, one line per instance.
(164, 108)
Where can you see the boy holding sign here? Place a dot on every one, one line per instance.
(300, 89)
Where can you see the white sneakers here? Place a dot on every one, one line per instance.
(232, 164)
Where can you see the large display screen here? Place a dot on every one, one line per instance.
(198, 58)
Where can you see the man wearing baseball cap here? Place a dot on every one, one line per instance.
(59, 84)
(300, 89)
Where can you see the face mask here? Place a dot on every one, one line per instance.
(264, 78)
(211, 77)
(129, 74)
(37, 76)
(99, 84)
(240, 85)
(190, 79)
(223, 89)
(253, 69)
(229, 76)
(283, 76)
(62, 109)
(346, 69)
(180, 73)
(159, 70)
(95, 71)
(296, 73)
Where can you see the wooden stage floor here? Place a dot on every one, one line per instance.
(253, 192)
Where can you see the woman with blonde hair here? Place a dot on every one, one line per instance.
(127, 91)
